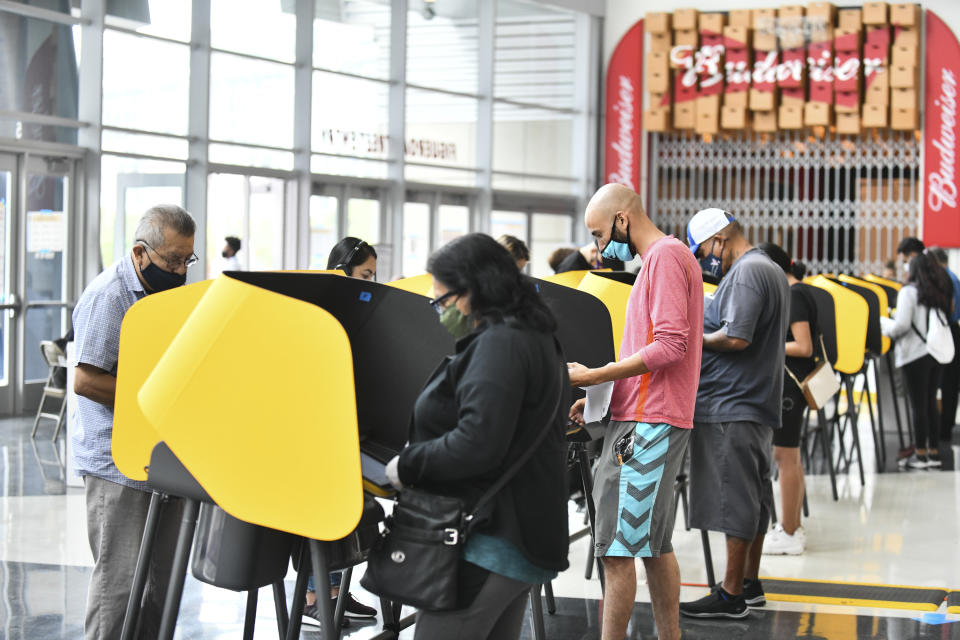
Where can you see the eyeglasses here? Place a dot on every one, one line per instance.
(437, 303)
(174, 261)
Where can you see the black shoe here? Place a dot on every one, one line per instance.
(311, 616)
(753, 593)
(719, 604)
(356, 609)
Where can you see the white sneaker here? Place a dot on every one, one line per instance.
(801, 533)
(780, 543)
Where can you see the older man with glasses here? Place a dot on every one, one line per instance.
(117, 505)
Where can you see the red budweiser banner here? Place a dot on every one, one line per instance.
(624, 109)
(941, 217)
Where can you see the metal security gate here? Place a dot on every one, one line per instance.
(840, 204)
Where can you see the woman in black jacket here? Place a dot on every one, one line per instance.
(480, 411)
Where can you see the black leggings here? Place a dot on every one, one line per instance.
(923, 379)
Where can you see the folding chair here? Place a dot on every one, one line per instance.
(55, 359)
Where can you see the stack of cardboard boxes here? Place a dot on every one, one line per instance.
(657, 115)
(905, 63)
(739, 63)
(876, 65)
(818, 108)
(685, 97)
(763, 90)
(793, 57)
(712, 74)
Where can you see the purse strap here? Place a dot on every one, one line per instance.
(514, 468)
(823, 350)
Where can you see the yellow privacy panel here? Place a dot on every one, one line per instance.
(570, 279)
(851, 314)
(255, 396)
(422, 284)
(614, 296)
(881, 297)
(148, 329)
(709, 289)
(884, 281)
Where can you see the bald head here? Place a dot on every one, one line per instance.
(607, 201)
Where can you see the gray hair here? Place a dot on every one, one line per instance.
(161, 217)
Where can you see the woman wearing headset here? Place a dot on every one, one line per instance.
(355, 257)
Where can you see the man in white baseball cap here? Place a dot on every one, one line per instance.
(703, 226)
(738, 406)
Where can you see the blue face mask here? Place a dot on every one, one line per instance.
(616, 250)
(712, 265)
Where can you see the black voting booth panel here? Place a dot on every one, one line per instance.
(625, 277)
(826, 319)
(396, 342)
(891, 294)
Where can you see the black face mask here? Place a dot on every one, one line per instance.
(224, 254)
(159, 280)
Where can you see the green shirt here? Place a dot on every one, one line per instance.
(499, 556)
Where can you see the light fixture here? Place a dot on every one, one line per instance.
(428, 12)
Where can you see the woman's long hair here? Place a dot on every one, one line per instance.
(477, 265)
(934, 288)
(349, 253)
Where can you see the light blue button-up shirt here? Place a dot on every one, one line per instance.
(96, 327)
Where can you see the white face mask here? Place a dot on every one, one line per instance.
(906, 267)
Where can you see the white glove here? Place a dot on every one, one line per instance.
(392, 473)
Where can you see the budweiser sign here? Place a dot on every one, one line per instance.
(624, 108)
(941, 217)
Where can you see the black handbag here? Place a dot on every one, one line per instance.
(417, 559)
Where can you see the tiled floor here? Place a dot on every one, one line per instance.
(900, 528)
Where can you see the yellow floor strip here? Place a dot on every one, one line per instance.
(835, 592)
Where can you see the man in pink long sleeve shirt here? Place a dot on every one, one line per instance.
(651, 411)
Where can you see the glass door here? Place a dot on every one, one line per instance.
(8, 299)
(42, 269)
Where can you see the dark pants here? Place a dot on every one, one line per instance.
(950, 388)
(496, 613)
(922, 377)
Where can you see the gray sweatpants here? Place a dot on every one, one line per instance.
(115, 519)
(495, 614)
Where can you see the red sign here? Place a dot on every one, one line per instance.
(624, 110)
(941, 217)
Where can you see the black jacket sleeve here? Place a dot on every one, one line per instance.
(489, 393)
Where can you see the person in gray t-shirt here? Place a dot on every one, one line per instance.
(738, 406)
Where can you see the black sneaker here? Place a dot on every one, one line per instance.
(719, 604)
(753, 593)
(356, 609)
(311, 616)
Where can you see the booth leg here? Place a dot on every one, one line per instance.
(143, 567)
(342, 597)
(299, 596)
(548, 596)
(586, 477)
(707, 556)
(873, 422)
(171, 607)
(825, 441)
(318, 555)
(879, 406)
(280, 605)
(536, 613)
(856, 436)
(250, 617)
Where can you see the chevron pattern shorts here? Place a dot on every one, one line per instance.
(635, 503)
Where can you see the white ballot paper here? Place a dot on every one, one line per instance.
(598, 401)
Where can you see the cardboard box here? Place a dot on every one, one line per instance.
(764, 19)
(765, 121)
(879, 55)
(906, 37)
(877, 89)
(903, 119)
(820, 31)
(821, 92)
(847, 40)
(765, 41)
(874, 13)
(903, 77)
(874, 115)
(847, 102)
(847, 68)
(712, 22)
(906, 55)
(685, 19)
(791, 116)
(905, 15)
(792, 32)
(790, 11)
(849, 19)
(681, 92)
(817, 114)
(848, 123)
(763, 100)
(684, 115)
(688, 37)
(661, 42)
(734, 117)
(658, 100)
(658, 73)
(878, 35)
(794, 97)
(738, 99)
(740, 18)
(825, 10)
(903, 98)
(710, 39)
(657, 22)
(708, 114)
(656, 119)
(735, 38)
